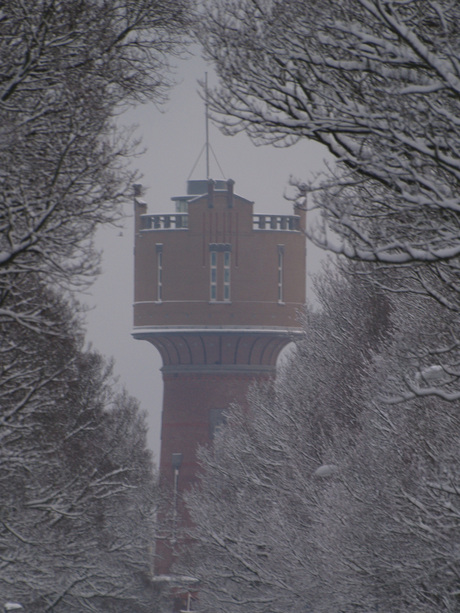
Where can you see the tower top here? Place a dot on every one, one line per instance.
(213, 263)
(199, 187)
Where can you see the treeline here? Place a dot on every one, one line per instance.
(338, 490)
(77, 486)
(78, 490)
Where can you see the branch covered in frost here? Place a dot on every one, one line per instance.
(377, 83)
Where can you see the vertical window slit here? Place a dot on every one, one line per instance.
(159, 248)
(227, 261)
(213, 280)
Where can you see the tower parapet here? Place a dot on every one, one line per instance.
(217, 292)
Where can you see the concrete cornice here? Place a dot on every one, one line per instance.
(218, 369)
(142, 331)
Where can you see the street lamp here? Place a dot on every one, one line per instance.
(176, 464)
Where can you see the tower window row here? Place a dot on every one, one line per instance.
(219, 272)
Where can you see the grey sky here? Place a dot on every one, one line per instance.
(173, 138)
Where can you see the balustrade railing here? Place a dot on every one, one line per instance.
(276, 222)
(179, 221)
(174, 221)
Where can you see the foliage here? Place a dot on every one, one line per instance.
(255, 511)
(76, 481)
(68, 66)
(376, 82)
(388, 522)
(77, 485)
(338, 490)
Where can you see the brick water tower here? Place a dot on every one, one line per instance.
(217, 292)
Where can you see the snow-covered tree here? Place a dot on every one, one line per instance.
(338, 490)
(377, 83)
(389, 522)
(68, 67)
(78, 493)
(77, 490)
(254, 513)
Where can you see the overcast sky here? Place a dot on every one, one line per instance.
(172, 139)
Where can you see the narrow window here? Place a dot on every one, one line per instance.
(213, 279)
(159, 248)
(227, 260)
(220, 260)
(280, 273)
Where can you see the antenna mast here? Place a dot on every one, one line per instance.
(207, 144)
(206, 106)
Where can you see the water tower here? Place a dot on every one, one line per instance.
(217, 291)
